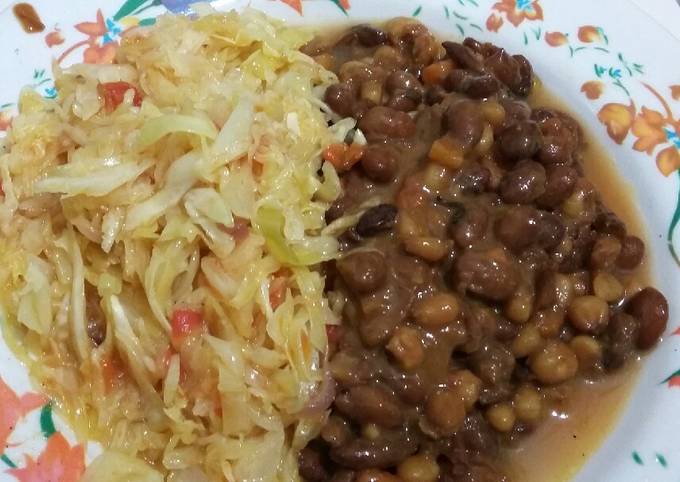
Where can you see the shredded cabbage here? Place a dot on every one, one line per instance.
(159, 261)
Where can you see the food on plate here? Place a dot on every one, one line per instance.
(482, 276)
(162, 223)
(243, 253)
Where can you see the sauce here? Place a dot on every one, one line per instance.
(577, 426)
(28, 18)
(564, 442)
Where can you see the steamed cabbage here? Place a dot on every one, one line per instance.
(159, 257)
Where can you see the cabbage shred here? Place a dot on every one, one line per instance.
(158, 262)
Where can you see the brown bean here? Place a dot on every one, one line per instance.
(409, 387)
(515, 111)
(311, 465)
(554, 363)
(474, 85)
(477, 434)
(370, 404)
(465, 123)
(650, 308)
(491, 274)
(524, 183)
(463, 56)
(551, 231)
(341, 98)
(336, 431)
(379, 163)
(623, 332)
(520, 141)
(96, 320)
(505, 67)
(380, 122)
(405, 100)
(402, 80)
(406, 91)
(369, 36)
(472, 227)
(562, 136)
(476, 46)
(609, 223)
(560, 182)
(493, 363)
(381, 453)
(376, 220)
(526, 76)
(434, 94)
(472, 179)
(632, 252)
(363, 271)
(518, 227)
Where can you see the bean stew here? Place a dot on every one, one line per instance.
(481, 272)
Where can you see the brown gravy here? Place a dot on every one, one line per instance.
(28, 18)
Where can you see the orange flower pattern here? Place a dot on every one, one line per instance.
(618, 118)
(517, 11)
(13, 408)
(593, 89)
(101, 43)
(54, 38)
(675, 92)
(555, 39)
(494, 22)
(590, 34)
(297, 5)
(59, 462)
(651, 128)
(648, 128)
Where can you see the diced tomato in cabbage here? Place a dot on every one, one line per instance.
(113, 94)
(112, 372)
(186, 322)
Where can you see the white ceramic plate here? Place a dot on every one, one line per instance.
(610, 63)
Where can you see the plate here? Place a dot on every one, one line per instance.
(608, 61)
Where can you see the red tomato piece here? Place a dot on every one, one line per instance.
(114, 93)
(185, 322)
